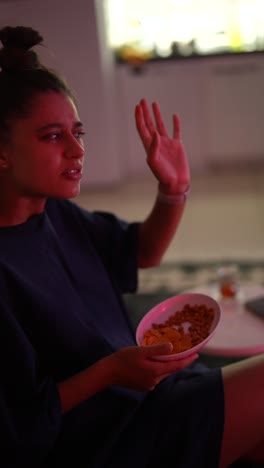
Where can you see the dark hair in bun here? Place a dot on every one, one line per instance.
(20, 37)
(16, 53)
(22, 74)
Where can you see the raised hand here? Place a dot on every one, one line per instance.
(165, 156)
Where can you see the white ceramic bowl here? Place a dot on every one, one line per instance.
(162, 311)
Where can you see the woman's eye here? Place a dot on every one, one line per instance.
(52, 136)
(79, 135)
(55, 136)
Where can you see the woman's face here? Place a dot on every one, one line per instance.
(45, 152)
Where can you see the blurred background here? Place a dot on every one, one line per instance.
(203, 60)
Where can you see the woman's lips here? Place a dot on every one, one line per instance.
(73, 174)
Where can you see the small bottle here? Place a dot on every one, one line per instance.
(228, 281)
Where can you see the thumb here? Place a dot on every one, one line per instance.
(162, 348)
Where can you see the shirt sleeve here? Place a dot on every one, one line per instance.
(30, 413)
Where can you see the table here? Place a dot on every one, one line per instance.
(240, 333)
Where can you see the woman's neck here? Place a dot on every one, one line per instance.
(19, 210)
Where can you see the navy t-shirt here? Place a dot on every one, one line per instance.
(62, 276)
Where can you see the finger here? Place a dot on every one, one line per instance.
(182, 363)
(178, 364)
(159, 349)
(141, 127)
(159, 120)
(187, 361)
(147, 116)
(176, 127)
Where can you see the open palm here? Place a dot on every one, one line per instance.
(165, 156)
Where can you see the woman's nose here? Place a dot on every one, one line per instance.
(74, 148)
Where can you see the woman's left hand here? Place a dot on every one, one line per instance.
(165, 156)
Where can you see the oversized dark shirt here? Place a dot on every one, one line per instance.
(60, 311)
(62, 276)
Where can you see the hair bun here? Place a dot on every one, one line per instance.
(15, 55)
(19, 37)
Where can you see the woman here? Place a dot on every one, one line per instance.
(74, 385)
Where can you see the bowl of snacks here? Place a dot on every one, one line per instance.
(188, 321)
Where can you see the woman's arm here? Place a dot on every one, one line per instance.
(132, 367)
(157, 231)
(167, 160)
(85, 384)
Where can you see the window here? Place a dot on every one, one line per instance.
(158, 29)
